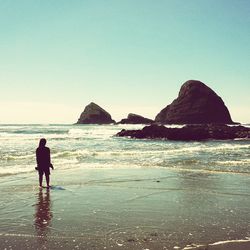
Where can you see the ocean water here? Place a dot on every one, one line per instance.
(95, 146)
(120, 193)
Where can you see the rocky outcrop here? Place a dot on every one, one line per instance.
(135, 119)
(94, 114)
(189, 132)
(195, 104)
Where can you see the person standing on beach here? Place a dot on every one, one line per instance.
(43, 162)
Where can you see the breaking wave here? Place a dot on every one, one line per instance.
(94, 146)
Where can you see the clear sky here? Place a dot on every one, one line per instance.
(128, 56)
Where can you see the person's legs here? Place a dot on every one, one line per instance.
(40, 180)
(47, 179)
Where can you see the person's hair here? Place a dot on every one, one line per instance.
(42, 142)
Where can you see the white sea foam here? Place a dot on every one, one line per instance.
(234, 162)
(174, 126)
(243, 244)
(81, 152)
(16, 169)
(65, 162)
(16, 157)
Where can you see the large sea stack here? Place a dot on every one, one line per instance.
(136, 119)
(195, 104)
(94, 114)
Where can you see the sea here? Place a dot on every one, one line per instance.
(96, 146)
(112, 192)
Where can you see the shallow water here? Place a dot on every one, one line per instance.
(124, 209)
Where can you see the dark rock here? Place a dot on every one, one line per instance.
(195, 104)
(94, 114)
(152, 131)
(189, 132)
(136, 119)
(155, 131)
(131, 133)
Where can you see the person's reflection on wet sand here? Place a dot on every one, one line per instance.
(43, 215)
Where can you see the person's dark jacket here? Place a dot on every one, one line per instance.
(43, 158)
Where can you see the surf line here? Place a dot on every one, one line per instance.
(39, 236)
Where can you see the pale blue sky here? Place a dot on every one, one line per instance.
(125, 55)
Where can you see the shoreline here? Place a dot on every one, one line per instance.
(30, 173)
(22, 241)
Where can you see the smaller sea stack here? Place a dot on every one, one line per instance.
(135, 119)
(94, 114)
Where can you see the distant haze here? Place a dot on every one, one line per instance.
(126, 56)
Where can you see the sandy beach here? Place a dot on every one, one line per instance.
(124, 209)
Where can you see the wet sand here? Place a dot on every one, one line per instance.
(125, 209)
